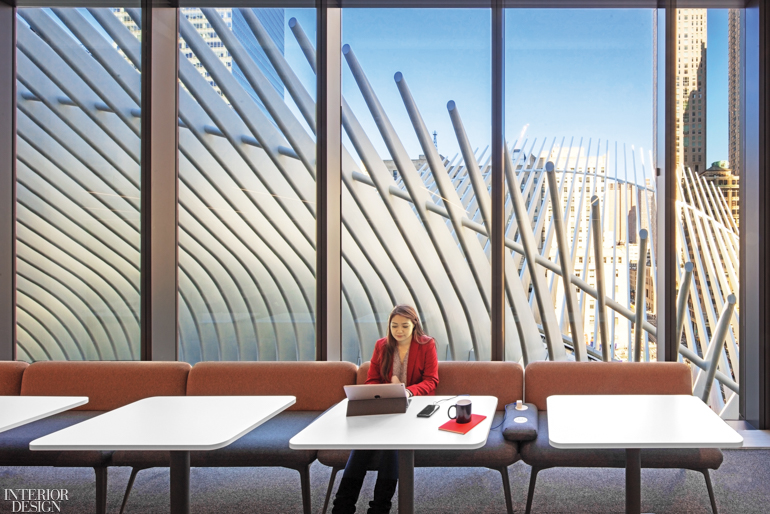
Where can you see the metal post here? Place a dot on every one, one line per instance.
(641, 271)
(681, 305)
(667, 196)
(405, 481)
(328, 184)
(608, 348)
(8, 183)
(180, 482)
(633, 480)
(573, 308)
(714, 350)
(160, 171)
(496, 229)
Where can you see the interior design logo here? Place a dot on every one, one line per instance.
(36, 500)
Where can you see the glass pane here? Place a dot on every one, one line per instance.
(78, 184)
(416, 131)
(579, 95)
(246, 185)
(708, 124)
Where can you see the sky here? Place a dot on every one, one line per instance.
(569, 73)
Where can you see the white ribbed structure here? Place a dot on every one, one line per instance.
(247, 219)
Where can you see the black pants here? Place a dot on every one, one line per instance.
(386, 462)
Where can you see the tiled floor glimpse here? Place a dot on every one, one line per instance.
(741, 487)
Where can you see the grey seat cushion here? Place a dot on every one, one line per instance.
(14, 444)
(267, 445)
(539, 453)
(496, 453)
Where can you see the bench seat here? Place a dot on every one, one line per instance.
(11, 373)
(266, 445)
(14, 444)
(107, 384)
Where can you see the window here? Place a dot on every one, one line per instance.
(399, 56)
(246, 204)
(78, 186)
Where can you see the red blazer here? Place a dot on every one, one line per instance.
(421, 370)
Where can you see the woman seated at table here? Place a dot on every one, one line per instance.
(405, 356)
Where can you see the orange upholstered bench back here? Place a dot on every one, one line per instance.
(317, 385)
(544, 379)
(504, 380)
(108, 384)
(10, 377)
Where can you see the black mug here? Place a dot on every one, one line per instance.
(462, 411)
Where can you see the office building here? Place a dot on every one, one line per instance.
(691, 40)
(728, 184)
(734, 90)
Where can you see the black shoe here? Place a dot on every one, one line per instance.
(347, 495)
(383, 493)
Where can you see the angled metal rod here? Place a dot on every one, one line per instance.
(573, 309)
(469, 243)
(681, 304)
(714, 351)
(641, 271)
(608, 348)
(542, 296)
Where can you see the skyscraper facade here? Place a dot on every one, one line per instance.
(272, 20)
(692, 35)
(734, 90)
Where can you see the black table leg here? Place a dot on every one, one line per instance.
(405, 481)
(180, 482)
(633, 481)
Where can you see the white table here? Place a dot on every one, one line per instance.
(176, 423)
(16, 411)
(404, 432)
(633, 422)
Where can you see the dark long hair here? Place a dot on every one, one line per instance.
(409, 313)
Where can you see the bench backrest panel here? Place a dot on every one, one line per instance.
(544, 379)
(501, 379)
(317, 385)
(10, 377)
(108, 384)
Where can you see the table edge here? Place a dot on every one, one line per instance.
(202, 447)
(81, 400)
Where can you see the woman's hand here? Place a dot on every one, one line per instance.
(395, 380)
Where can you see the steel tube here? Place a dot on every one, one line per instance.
(601, 304)
(681, 305)
(573, 308)
(641, 271)
(714, 351)
(542, 295)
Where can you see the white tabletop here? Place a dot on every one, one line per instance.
(169, 423)
(636, 421)
(20, 410)
(334, 430)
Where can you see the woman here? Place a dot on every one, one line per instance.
(406, 356)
